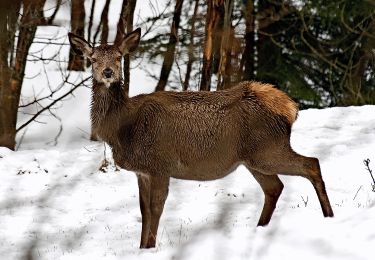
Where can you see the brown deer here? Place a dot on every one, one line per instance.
(194, 135)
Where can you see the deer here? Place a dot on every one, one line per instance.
(194, 135)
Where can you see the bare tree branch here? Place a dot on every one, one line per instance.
(53, 103)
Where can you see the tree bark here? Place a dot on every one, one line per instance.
(122, 22)
(77, 21)
(170, 52)
(227, 41)
(212, 19)
(8, 19)
(247, 61)
(125, 25)
(91, 20)
(12, 73)
(89, 28)
(104, 22)
(50, 20)
(191, 57)
(354, 93)
(103, 25)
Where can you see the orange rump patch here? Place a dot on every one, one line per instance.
(275, 100)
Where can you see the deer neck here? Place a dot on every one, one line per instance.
(107, 106)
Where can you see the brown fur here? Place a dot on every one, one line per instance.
(198, 136)
(276, 101)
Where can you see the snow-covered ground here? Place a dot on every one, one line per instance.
(56, 204)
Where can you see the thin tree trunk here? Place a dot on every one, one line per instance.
(77, 21)
(170, 52)
(125, 25)
(89, 28)
(212, 19)
(103, 25)
(355, 95)
(91, 20)
(224, 79)
(104, 22)
(218, 35)
(191, 57)
(12, 73)
(50, 20)
(247, 61)
(121, 25)
(129, 28)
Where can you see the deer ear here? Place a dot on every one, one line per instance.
(130, 42)
(80, 45)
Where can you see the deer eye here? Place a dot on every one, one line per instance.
(93, 60)
(118, 58)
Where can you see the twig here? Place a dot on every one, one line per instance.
(157, 15)
(360, 187)
(21, 139)
(179, 71)
(55, 140)
(305, 201)
(90, 151)
(367, 164)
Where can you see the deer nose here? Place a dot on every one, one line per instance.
(107, 72)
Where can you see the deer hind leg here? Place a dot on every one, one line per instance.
(272, 188)
(144, 185)
(311, 170)
(291, 163)
(159, 193)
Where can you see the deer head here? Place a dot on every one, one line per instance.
(105, 58)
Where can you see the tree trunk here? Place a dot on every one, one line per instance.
(51, 19)
(355, 94)
(12, 73)
(170, 52)
(247, 61)
(227, 41)
(8, 19)
(125, 25)
(122, 22)
(91, 20)
(103, 25)
(77, 21)
(191, 57)
(104, 22)
(212, 19)
(89, 27)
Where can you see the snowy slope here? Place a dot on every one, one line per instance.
(55, 203)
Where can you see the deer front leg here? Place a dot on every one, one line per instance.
(153, 192)
(144, 203)
(159, 193)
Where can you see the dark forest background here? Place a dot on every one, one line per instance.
(320, 52)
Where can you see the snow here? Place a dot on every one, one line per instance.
(56, 204)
